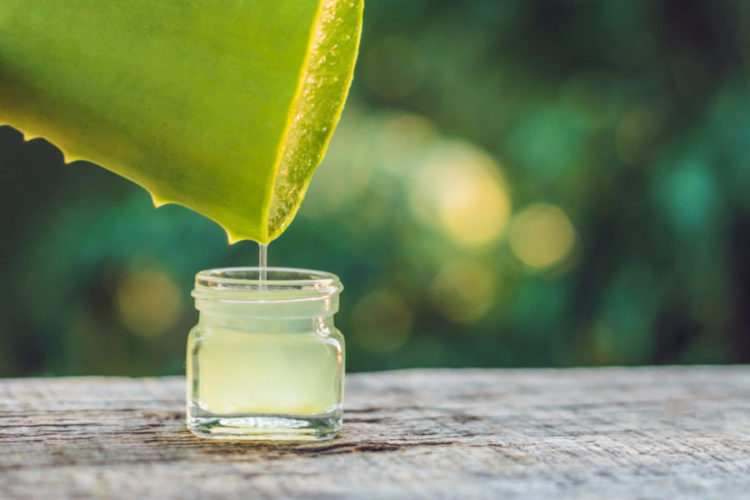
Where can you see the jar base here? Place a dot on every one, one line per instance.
(265, 427)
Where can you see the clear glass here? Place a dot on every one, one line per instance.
(265, 361)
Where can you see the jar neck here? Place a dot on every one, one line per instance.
(284, 300)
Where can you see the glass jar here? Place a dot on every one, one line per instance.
(265, 361)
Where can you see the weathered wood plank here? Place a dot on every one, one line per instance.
(585, 433)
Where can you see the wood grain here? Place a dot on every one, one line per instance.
(582, 433)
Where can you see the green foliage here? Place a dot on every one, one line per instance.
(616, 132)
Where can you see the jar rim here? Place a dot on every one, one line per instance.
(242, 284)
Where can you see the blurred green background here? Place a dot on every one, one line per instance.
(513, 183)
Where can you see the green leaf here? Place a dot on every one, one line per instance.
(223, 106)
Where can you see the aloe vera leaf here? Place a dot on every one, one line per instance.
(223, 106)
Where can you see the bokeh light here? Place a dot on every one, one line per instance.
(381, 321)
(459, 188)
(541, 235)
(402, 140)
(148, 302)
(463, 290)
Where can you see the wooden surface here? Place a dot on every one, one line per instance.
(595, 433)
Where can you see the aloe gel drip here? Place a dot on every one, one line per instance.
(262, 262)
